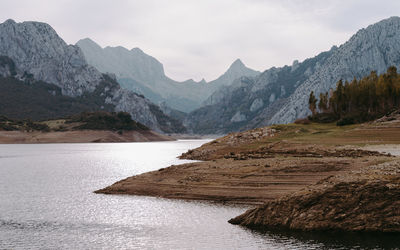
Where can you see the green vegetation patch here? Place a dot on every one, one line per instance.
(7, 124)
(359, 100)
(106, 121)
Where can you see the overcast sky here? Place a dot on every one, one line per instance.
(201, 38)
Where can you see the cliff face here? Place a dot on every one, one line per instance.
(280, 95)
(40, 55)
(137, 71)
(37, 49)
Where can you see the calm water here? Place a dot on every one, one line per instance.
(47, 202)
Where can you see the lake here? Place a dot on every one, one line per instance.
(47, 202)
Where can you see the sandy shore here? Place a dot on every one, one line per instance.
(80, 136)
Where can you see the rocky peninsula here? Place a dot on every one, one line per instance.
(304, 176)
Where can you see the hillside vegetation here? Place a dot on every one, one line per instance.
(110, 121)
(359, 100)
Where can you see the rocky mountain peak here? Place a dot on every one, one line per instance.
(9, 21)
(88, 42)
(203, 81)
(137, 50)
(237, 66)
(236, 70)
(37, 49)
(124, 63)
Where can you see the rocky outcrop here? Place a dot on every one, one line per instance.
(142, 73)
(363, 200)
(38, 50)
(40, 55)
(284, 91)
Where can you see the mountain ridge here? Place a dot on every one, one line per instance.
(280, 95)
(40, 55)
(145, 74)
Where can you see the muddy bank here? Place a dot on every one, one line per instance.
(310, 177)
(362, 200)
(250, 181)
(80, 136)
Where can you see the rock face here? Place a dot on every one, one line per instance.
(375, 48)
(142, 73)
(37, 49)
(40, 55)
(284, 91)
(366, 200)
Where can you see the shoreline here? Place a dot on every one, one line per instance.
(393, 149)
(264, 165)
(80, 136)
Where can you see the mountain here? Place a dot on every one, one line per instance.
(142, 73)
(235, 71)
(374, 48)
(280, 95)
(45, 68)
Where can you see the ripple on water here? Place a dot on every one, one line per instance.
(47, 202)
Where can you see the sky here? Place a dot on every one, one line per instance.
(197, 39)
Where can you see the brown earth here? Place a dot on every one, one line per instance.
(362, 200)
(80, 136)
(311, 176)
(251, 181)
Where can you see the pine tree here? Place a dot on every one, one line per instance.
(312, 103)
(360, 100)
(323, 102)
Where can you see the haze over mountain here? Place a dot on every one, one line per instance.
(40, 59)
(280, 95)
(142, 73)
(37, 66)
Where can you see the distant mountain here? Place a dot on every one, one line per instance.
(41, 73)
(142, 73)
(280, 95)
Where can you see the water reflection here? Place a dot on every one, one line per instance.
(47, 201)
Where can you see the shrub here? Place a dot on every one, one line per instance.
(345, 121)
(303, 121)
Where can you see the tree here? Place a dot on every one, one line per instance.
(361, 100)
(312, 103)
(323, 102)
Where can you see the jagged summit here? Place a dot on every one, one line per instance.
(88, 42)
(140, 72)
(38, 52)
(237, 66)
(236, 70)
(9, 21)
(36, 48)
(237, 63)
(136, 49)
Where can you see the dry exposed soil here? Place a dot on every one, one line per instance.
(310, 177)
